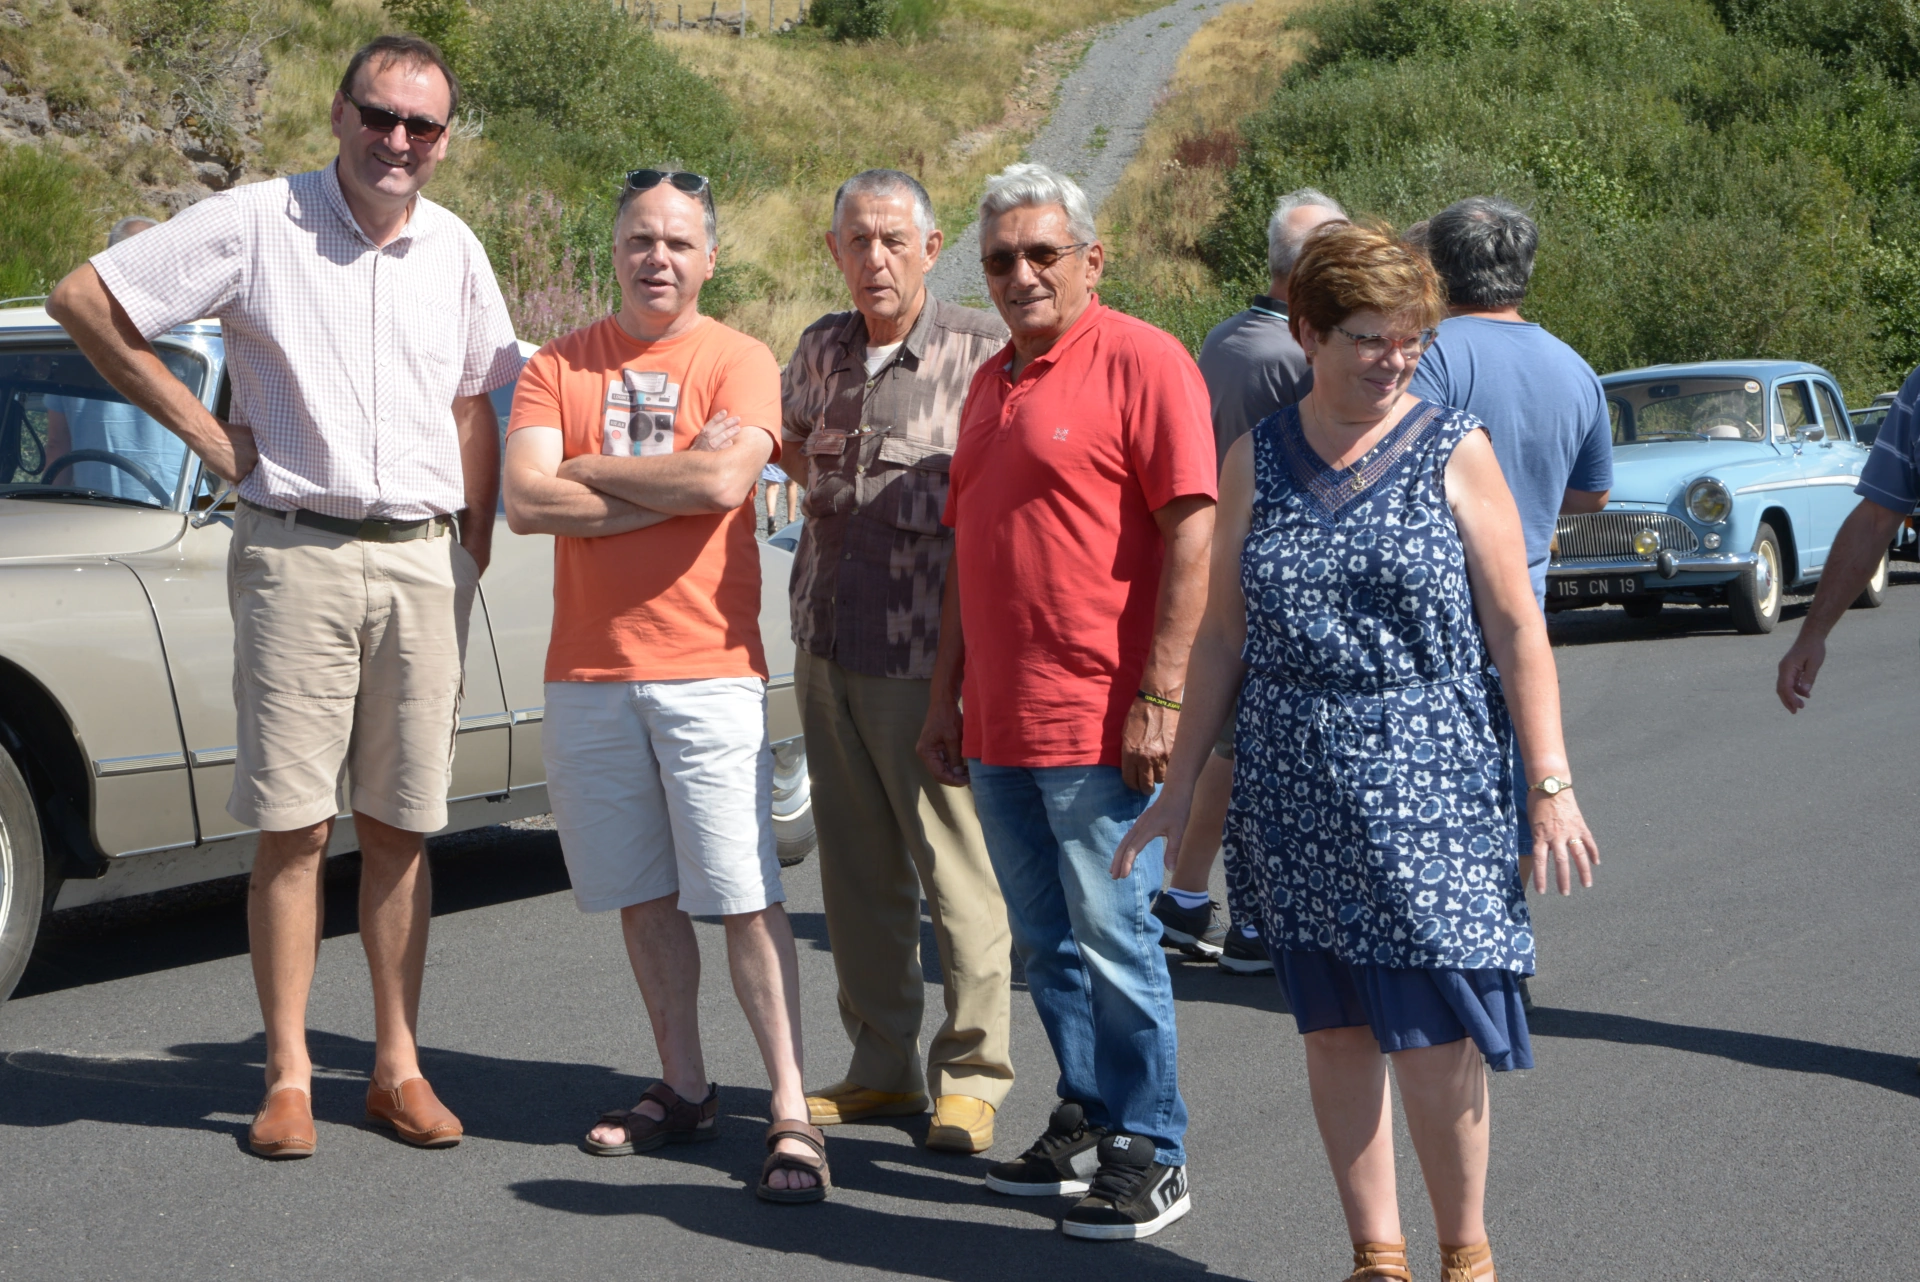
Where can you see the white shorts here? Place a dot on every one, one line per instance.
(661, 787)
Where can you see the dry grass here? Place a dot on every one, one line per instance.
(1176, 186)
(950, 109)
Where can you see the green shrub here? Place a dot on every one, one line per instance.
(46, 226)
(1702, 192)
(872, 19)
(448, 23)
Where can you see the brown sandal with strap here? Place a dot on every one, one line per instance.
(686, 1122)
(814, 1164)
(1372, 1260)
(1472, 1263)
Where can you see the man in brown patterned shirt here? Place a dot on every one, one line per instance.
(871, 407)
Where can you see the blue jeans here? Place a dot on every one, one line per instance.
(1090, 944)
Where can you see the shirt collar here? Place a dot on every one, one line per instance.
(1080, 328)
(416, 226)
(853, 334)
(1267, 305)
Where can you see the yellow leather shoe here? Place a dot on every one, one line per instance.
(846, 1102)
(961, 1124)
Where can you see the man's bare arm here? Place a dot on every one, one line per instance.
(480, 473)
(540, 502)
(683, 483)
(1576, 502)
(1856, 552)
(89, 313)
(1146, 738)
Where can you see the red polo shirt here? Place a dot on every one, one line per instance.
(1054, 484)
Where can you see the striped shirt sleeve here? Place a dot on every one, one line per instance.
(190, 267)
(1889, 477)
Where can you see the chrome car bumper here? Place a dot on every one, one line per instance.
(1682, 563)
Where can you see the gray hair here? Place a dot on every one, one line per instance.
(709, 216)
(1283, 245)
(1483, 249)
(888, 182)
(132, 225)
(1024, 183)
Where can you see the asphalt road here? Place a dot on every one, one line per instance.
(1726, 1036)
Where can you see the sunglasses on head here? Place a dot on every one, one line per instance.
(1041, 256)
(648, 179)
(382, 121)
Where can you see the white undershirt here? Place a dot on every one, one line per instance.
(878, 356)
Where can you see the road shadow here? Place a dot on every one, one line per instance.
(1198, 981)
(208, 922)
(1605, 625)
(840, 1233)
(1870, 1068)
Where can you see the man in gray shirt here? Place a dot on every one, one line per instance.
(1253, 367)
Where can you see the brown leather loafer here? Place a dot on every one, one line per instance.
(413, 1112)
(283, 1127)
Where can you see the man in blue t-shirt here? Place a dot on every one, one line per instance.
(1889, 490)
(1541, 402)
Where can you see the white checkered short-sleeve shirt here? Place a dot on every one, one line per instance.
(345, 356)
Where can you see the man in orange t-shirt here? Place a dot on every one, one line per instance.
(637, 442)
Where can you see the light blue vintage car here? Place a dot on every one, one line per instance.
(1730, 480)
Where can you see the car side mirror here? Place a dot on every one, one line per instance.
(1810, 434)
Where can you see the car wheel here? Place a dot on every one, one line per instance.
(23, 871)
(1755, 595)
(792, 803)
(1643, 607)
(1875, 593)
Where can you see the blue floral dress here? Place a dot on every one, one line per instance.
(1371, 834)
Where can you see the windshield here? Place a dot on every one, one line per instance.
(1688, 409)
(64, 431)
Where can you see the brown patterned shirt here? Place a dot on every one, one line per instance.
(873, 455)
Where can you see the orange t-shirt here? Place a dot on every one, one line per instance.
(676, 600)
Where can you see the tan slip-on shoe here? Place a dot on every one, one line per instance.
(961, 1124)
(845, 1102)
(413, 1112)
(283, 1127)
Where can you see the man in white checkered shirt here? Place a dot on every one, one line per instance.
(363, 329)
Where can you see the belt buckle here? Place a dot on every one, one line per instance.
(372, 531)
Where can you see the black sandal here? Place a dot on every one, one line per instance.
(814, 1164)
(685, 1122)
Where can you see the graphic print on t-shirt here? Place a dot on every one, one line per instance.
(639, 414)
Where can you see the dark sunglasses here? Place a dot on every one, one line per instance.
(1041, 256)
(382, 121)
(648, 179)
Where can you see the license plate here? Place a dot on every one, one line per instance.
(1592, 588)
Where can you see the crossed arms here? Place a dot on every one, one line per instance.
(592, 495)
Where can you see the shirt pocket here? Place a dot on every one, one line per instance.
(909, 481)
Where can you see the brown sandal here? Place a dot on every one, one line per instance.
(1373, 1260)
(1467, 1263)
(814, 1164)
(685, 1122)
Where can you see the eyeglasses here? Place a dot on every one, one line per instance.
(648, 179)
(1373, 347)
(1041, 256)
(382, 121)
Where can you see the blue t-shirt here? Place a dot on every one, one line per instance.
(123, 429)
(1543, 407)
(1889, 478)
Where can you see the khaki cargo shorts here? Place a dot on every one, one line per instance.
(347, 663)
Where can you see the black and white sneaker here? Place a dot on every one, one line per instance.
(1061, 1161)
(1132, 1196)
(1245, 956)
(1192, 930)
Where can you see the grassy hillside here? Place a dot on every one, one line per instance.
(565, 95)
(1710, 182)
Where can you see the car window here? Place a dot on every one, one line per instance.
(1622, 420)
(65, 431)
(1794, 406)
(1866, 423)
(1839, 427)
(1687, 409)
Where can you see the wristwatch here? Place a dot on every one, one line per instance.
(1552, 785)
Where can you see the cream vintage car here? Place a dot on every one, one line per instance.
(116, 650)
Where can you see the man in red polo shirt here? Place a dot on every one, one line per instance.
(1081, 499)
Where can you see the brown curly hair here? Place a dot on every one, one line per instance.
(1347, 268)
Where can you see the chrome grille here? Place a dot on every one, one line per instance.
(1593, 536)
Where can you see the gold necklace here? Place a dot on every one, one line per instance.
(1352, 478)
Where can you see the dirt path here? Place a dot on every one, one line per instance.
(1098, 123)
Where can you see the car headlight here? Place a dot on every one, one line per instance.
(1708, 501)
(1646, 542)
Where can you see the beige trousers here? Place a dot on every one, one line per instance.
(890, 833)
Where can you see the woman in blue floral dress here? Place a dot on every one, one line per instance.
(1369, 577)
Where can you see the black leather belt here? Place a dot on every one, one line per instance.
(369, 531)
